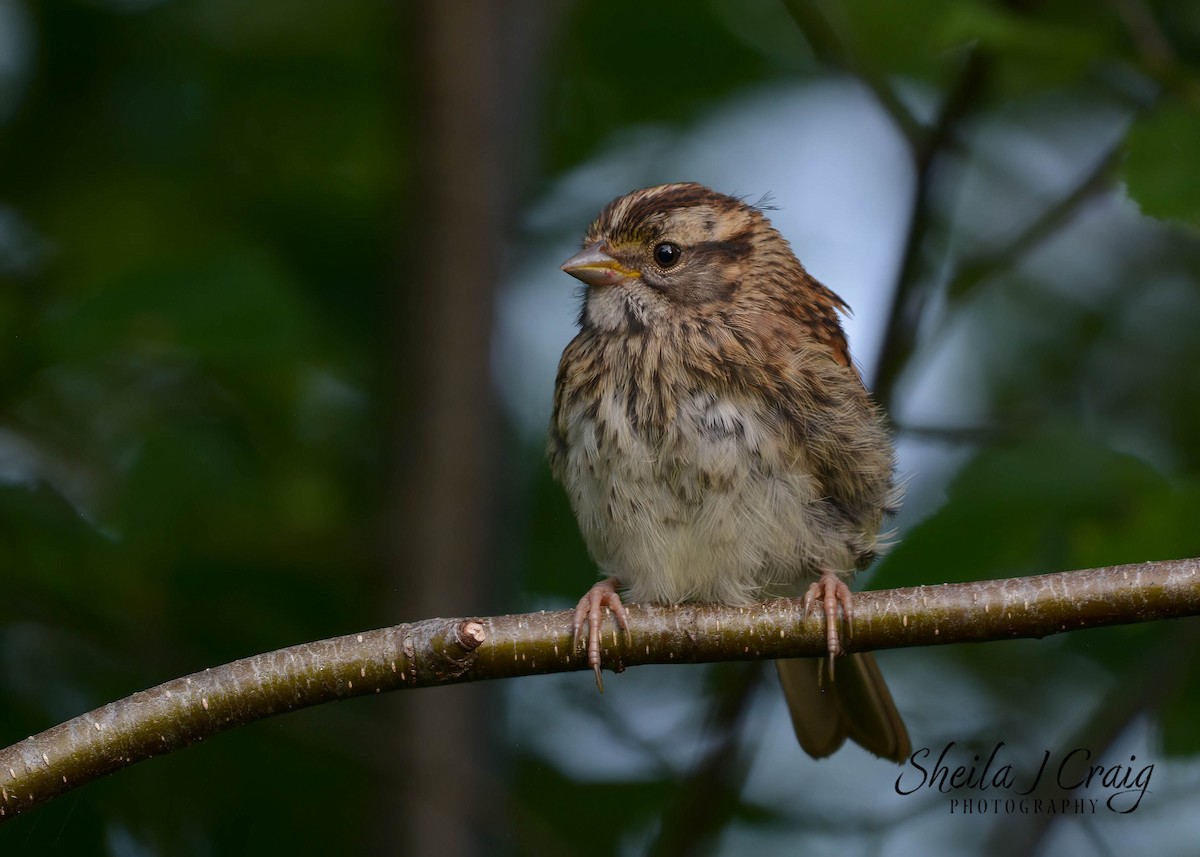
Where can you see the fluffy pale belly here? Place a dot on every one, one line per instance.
(709, 511)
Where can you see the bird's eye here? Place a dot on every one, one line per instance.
(667, 254)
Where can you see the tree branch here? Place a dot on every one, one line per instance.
(829, 47)
(1146, 689)
(1055, 216)
(449, 651)
(910, 292)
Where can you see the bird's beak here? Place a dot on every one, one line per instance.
(593, 266)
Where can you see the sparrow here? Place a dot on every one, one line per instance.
(716, 442)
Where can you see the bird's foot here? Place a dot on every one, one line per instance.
(829, 592)
(589, 614)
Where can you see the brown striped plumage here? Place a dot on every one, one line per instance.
(714, 439)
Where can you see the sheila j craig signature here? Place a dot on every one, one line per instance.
(1082, 785)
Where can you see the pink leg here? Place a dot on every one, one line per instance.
(591, 608)
(831, 591)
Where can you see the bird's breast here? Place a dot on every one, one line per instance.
(690, 494)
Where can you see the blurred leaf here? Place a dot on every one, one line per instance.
(1028, 52)
(1033, 52)
(908, 39)
(1039, 506)
(1160, 169)
(685, 60)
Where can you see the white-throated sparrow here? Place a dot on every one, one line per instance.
(716, 442)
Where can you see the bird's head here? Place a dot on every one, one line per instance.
(676, 246)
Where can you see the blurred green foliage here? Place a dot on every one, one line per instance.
(197, 202)
(199, 211)
(1159, 147)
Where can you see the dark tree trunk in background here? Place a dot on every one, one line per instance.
(473, 59)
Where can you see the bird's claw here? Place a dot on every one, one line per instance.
(830, 591)
(589, 614)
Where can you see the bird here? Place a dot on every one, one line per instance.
(717, 443)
